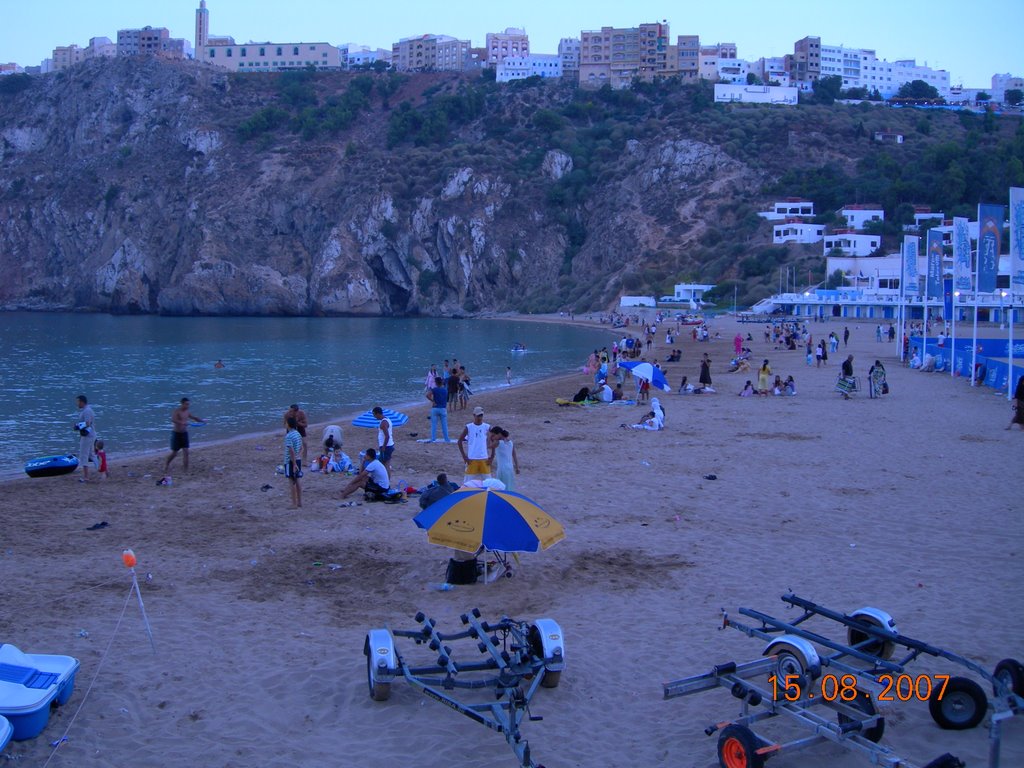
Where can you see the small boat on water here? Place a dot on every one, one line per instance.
(51, 466)
(519, 348)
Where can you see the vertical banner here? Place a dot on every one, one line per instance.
(990, 239)
(910, 245)
(961, 255)
(933, 286)
(1017, 240)
(947, 298)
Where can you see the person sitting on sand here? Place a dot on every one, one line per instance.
(373, 477)
(438, 489)
(777, 386)
(740, 366)
(790, 387)
(748, 390)
(650, 422)
(685, 388)
(617, 393)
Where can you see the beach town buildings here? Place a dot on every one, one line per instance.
(522, 67)
(430, 53)
(512, 42)
(152, 41)
(65, 56)
(354, 56)
(619, 55)
(797, 231)
(10, 68)
(740, 92)
(858, 215)
(569, 53)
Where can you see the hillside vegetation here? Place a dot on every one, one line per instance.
(148, 186)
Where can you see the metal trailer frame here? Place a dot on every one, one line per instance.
(514, 652)
(872, 639)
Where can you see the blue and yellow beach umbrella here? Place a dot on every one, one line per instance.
(503, 521)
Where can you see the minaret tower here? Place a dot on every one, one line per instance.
(202, 26)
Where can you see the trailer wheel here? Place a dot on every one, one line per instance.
(864, 703)
(550, 679)
(378, 691)
(883, 649)
(737, 748)
(962, 706)
(1011, 674)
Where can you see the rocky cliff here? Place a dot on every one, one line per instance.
(160, 187)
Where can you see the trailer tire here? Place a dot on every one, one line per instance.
(551, 679)
(378, 691)
(962, 706)
(883, 649)
(737, 748)
(1010, 672)
(864, 703)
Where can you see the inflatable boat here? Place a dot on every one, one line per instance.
(51, 466)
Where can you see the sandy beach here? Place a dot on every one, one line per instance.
(911, 503)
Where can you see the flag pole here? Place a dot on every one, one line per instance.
(974, 335)
(903, 281)
(952, 360)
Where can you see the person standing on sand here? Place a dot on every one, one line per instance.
(301, 421)
(846, 336)
(762, 378)
(705, 371)
(438, 397)
(385, 437)
(1018, 405)
(293, 459)
(180, 419)
(504, 461)
(473, 447)
(85, 425)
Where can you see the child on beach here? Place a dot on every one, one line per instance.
(101, 458)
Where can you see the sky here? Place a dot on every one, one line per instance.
(972, 40)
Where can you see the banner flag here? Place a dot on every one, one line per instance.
(990, 238)
(947, 298)
(910, 284)
(933, 289)
(1017, 240)
(961, 255)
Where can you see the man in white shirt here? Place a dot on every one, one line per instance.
(385, 437)
(372, 477)
(473, 447)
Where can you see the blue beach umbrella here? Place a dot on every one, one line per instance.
(370, 421)
(502, 521)
(647, 371)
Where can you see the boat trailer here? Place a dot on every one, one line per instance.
(518, 657)
(832, 692)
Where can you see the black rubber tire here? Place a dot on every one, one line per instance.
(737, 748)
(551, 679)
(963, 704)
(378, 691)
(1010, 672)
(865, 704)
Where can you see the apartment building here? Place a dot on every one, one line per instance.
(772, 70)
(500, 45)
(847, 244)
(1003, 83)
(273, 57)
(65, 56)
(430, 53)
(569, 54)
(10, 68)
(687, 57)
(534, 65)
(861, 68)
(618, 56)
(714, 59)
(362, 55)
(152, 41)
(804, 64)
(856, 216)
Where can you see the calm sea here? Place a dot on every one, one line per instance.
(134, 370)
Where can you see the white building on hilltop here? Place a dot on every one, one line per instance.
(861, 68)
(755, 94)
(522, 67)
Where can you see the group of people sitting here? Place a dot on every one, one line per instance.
(778, 388)
(653, 421)
(686, 388)
(601, 393)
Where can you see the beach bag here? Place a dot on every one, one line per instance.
(885, 387)
(461, 571)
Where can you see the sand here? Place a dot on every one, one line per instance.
(911, 504)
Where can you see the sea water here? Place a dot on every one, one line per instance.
(135, 370)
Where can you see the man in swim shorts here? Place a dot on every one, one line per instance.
(473, 447)
(180, 419)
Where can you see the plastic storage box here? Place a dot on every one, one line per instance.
(29, 685)
(6, 731)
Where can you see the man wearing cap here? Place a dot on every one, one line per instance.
(473, 447)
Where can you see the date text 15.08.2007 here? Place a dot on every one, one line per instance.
(844, 688)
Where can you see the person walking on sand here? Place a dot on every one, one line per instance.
(438, 397)
(846, 336)
(181, 417)
(1018, 405)
(301, 421)
(385, 437)
(473, 447)
(85, 425)
(293, 459)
